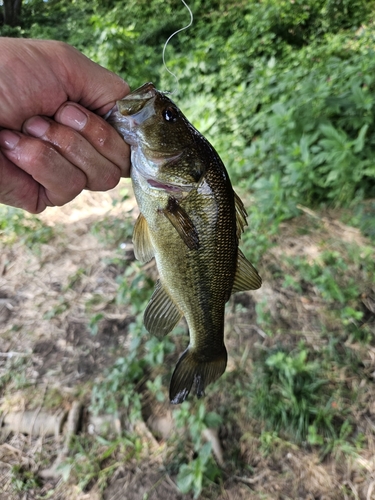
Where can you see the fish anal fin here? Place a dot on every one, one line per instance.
(161, 314)
(241, 215)
(181, 221)
(194, 369)
(143, 249)
(247, 277)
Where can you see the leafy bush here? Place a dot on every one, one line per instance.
(290, 85)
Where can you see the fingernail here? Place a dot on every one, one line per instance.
(8, 139)
(36, 126)
(73, 117)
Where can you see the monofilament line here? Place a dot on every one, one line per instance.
(172, 35)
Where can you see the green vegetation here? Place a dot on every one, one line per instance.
(90, 460)
(202, 469)
(290, 85)
(18, 226)
(23, 480)
(290, 88)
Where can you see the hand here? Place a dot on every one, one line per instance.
(54, 143)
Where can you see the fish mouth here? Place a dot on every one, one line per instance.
(141, 94)
(131, 111)
(127, 125)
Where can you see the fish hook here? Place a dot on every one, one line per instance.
(172, 35)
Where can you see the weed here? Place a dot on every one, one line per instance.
(362, 216)
(202, 469)
(23, 480)
(340, 444)
(196, 419)
(94, 459)
(94, 323)
(327, 276)
(53, 399)
(286, 392)
(118, 388)
(264, 318)
(272, 444)
(258, 237)
(113, 230)
(199, 472)
(59, 308)
(16, 225)
(75, 279)
(340, 279)
(156, 350)
(156, 388)
(15, 373)
(134, 288)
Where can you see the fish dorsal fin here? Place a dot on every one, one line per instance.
(180, 220)
(241, 215)
(143, 249)
(247, 277)
(161, 314)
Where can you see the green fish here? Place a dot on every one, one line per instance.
(191, 221)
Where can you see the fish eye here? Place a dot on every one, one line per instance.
(170, 114)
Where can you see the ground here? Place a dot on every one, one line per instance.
(71, 300)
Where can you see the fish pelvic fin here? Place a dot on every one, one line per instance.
(194, 369)
(143, 249)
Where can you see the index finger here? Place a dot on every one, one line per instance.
(102, 136)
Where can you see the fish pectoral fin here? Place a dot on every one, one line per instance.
(181, 221)
(241, 215)
(247, 277)
(161, 314)
(193, 368)
(143, 249)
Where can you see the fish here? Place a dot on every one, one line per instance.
(190, 221)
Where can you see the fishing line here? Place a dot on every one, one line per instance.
(172, 35)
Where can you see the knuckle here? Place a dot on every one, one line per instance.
(68, 143)
(76, 184)
(43, 156)
(105, 179)
(103, 137)
(67, 149)
(35, 152)
(113, 178)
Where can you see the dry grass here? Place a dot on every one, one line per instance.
(49, 296)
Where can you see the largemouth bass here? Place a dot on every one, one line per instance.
(191, 221)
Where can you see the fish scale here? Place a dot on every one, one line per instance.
(190, 221)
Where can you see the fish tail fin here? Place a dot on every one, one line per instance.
(193, 368)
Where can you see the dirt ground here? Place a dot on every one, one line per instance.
(47, 297)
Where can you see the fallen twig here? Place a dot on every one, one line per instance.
(251, 480)
(12, 354)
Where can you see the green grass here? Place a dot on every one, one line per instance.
(28, 230)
